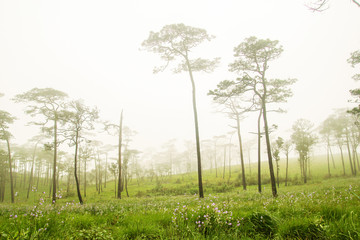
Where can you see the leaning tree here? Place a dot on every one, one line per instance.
(176, 41)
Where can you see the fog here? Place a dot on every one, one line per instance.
(91, 50)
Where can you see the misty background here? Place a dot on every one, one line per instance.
(91, 50)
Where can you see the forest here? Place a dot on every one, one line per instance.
(79, 175)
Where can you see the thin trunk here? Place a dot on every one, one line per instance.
(241, 152)
(328, 161)
(215, 160)
(259, 151)
(38, 176)
(230, 160)
(249, 162)
(68, 183)
(287, 168)
(277, 173)
(354, 160)
(115, 185)
(32, 171)
(79, 167)
(357, 159)
(267, 137)
(342, 159)
(349, 153)
(11, 173)
(302, 165)
(332, 157)
(75, 165)
(119, 156)
(47, 173)
(57, 179)
(85, 177)
(2, 184)
(24, 175)
(14, 174)
(224, 161)
(126, 183)
(201, 191)
(99, 175)
(106, 161)
(305, 168)
(54, 164)
(96, 175)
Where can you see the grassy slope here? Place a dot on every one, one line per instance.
(322, 209)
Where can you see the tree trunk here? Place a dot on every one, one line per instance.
(332, 157)
(2, 184)
(277, 173)
(115, 185)
(85, 177)
(75, 165)
(11, 173)
(287, 168)
(38, 175)
(96, 175)
(68, 182)
(354, 160)
(229, 161)
(328, 161)
(32, 171)
(357, 159)
(259, 151)
(126, 183)
(241, 152)
(119, 156)
(342, 159)
(267, 137)
(54, 163)
(349, 153)
(201, 192)
(249, 162)
(224, 161)
(24, 174)
(305, 168)
(215, 161)
(106, 162)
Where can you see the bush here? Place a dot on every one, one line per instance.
(261, 223)
(303, 229)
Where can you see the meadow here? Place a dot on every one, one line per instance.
(169, 208)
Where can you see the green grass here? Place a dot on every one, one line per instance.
(327, 210)
(169, 208)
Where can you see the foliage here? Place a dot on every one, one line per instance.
(176, 40)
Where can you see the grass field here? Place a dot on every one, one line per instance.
(169, 208)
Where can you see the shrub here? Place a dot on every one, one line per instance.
(261, 223)
(303, 229)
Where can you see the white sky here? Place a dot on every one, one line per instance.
(90, 50)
